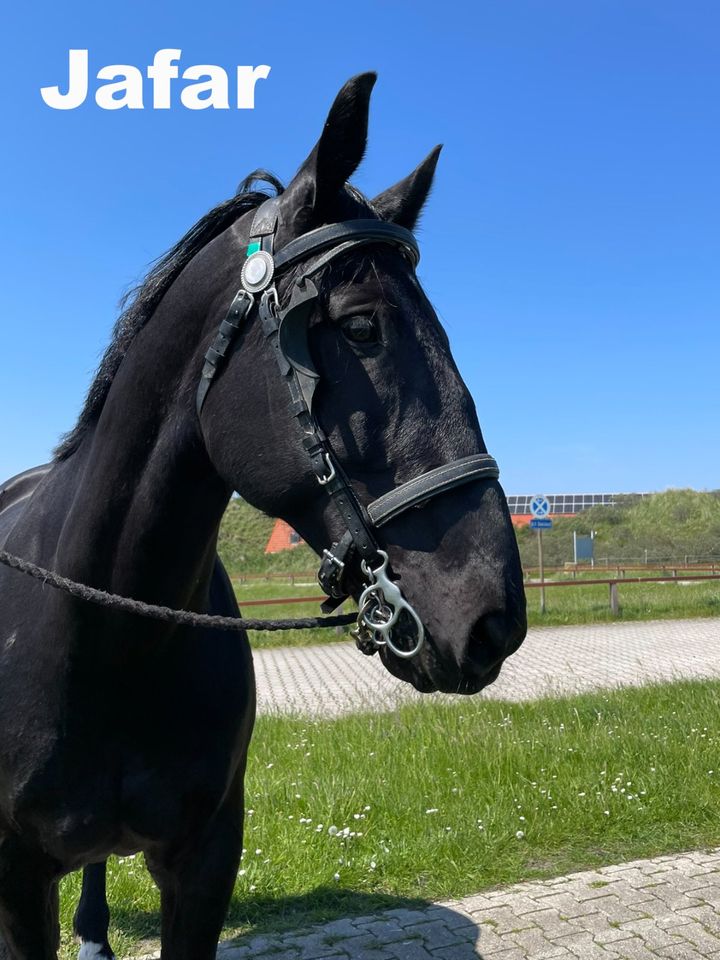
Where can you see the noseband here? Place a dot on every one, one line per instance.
(381, 603)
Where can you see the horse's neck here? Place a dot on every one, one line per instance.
(147, 503)
(144, 526)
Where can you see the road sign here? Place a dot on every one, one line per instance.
(541, 523)
(540, 506)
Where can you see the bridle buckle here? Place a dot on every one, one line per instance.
(332, 559)
(331, 474)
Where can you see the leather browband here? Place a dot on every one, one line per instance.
(332, 235)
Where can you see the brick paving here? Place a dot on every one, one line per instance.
(667, 908)
(335, 679)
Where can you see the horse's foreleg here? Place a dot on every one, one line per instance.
(92, 917)
(196, 884)
(29, 921)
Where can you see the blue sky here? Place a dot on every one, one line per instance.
(571, 244)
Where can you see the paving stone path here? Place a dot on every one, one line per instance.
(667, 908)
(335, 679)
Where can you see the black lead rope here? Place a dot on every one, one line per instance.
(184, 618)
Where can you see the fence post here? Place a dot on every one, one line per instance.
(542, 571)
(614, 600)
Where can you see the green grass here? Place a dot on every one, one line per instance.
(288, 638)
(638, 601)
(564, 605)
(437, 801)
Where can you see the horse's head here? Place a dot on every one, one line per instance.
(341, 367)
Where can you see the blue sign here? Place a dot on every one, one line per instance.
(541, 523)
(583, 547)
(540, 506)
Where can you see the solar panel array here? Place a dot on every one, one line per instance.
(562, 502)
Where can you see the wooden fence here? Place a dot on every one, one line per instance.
(613, 584)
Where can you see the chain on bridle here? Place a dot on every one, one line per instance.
(381, 603)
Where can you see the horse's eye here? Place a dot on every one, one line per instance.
(360, 330)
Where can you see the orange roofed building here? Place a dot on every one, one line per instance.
(283, 537)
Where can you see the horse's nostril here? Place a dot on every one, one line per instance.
(494, 637)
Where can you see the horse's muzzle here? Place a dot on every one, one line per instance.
(477, 663)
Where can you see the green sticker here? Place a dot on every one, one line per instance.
(253, 248)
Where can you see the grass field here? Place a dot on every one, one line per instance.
(638, 601)
(288, 638)
(438, 801)
(565, 605)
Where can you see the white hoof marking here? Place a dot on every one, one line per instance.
(91, 951)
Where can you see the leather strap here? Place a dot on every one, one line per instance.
(352, 513)
(265, 224)
(430, 484)
(335, 234)
(265, 220)
(217, 352)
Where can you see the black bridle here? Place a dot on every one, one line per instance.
(286, 330)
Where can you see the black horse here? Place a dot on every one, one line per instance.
(120, 734)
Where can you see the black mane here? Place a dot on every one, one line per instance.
(139, 304)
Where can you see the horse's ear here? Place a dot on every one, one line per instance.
(309, 198)
(402, 203)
